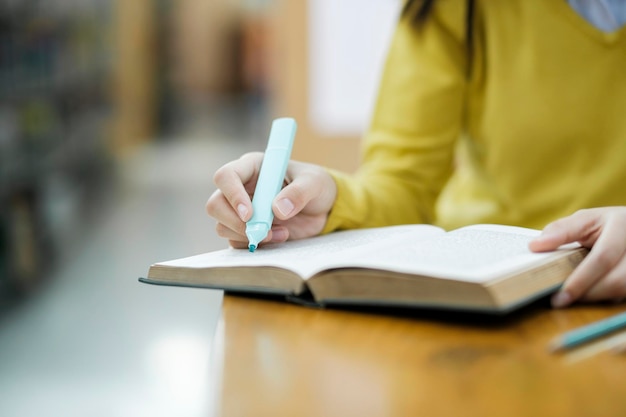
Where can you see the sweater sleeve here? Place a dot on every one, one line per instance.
(409, 147)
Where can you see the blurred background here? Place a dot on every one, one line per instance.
(87, 85)
(114, 114)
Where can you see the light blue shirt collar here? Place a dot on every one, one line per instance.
(606, 15)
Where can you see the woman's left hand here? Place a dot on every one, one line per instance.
(602, 274)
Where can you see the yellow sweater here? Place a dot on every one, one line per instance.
(537, 131)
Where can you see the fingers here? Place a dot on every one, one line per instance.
(236, 181)
(581, 226)
(276, 235)
(602, 271)
(310, 190)
(300, 209)
(611, 287)
(602, 275)
(229, 224)
(230, 205)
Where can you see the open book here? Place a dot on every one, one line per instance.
(481, 267)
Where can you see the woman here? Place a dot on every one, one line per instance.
(488, 112)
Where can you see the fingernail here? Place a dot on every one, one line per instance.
(561, 299)
(243, 211)
(543, 235)
(285, 206)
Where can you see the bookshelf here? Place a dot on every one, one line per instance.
(54, 73)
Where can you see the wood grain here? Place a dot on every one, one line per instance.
(287, 360)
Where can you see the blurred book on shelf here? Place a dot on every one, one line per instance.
(55, 64)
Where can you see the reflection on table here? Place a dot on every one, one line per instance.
(287, 360)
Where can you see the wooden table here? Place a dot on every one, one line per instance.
(287, 360)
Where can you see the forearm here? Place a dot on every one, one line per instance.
(372, 202)
(398, 183)
(408, 150)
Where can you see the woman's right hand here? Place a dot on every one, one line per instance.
(300, 209)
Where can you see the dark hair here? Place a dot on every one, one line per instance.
(419, 10)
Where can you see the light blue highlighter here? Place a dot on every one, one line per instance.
(271, 177)
(589, 332)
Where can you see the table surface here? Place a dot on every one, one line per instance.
(281, 359)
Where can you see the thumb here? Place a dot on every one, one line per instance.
(283, 206)
(312, 191)
(293, 198)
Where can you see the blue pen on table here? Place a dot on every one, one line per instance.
(589, 332)
(270, 181)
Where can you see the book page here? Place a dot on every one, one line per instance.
(309, 256)
(474, 253)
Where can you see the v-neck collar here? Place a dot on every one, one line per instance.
(586, 26)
